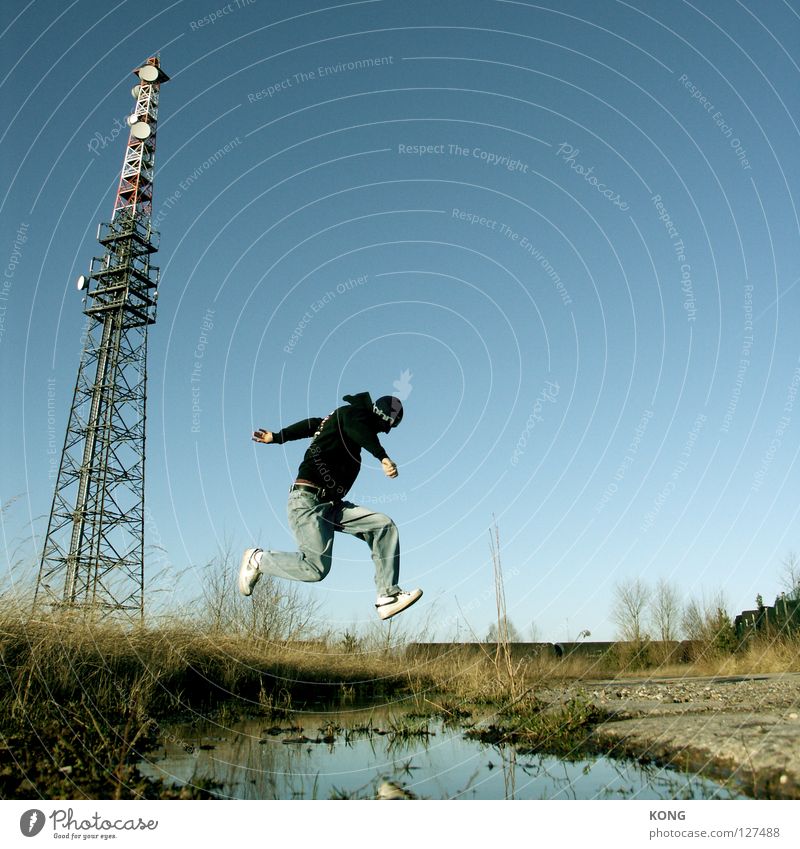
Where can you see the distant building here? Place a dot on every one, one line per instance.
(782, 617)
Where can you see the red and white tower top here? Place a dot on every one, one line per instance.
(135, 192)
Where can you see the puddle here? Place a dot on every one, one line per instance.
(359, 753)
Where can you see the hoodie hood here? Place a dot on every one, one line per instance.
(377, 414)
(361, 400)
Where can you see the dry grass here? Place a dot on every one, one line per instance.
(761, 655)
(468, 673)
(62, 660)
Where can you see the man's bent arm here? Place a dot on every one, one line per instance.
(365, 437)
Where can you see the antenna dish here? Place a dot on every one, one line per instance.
(135, 92)
(148, 73)
(132, 119)
(141, 130)
(81, 282)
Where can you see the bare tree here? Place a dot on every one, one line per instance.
(710, 623)
(790, 576)
(693, 621)
(665, 611)
(275, 612)
(504, 630)
(630, 603)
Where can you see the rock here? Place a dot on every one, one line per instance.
(391, 790)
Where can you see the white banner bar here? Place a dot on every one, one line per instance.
(594, 824)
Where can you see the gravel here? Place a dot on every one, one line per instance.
(741, 729)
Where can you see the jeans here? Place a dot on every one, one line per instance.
(314, 522)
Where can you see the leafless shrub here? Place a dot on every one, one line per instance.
(665, 611)
(631, 598)
(790, 575)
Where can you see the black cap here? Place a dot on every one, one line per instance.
(390, 410)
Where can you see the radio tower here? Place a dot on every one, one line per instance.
(93, 556)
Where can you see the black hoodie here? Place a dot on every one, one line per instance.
(333, 460)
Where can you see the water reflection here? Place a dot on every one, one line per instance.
(380, 751)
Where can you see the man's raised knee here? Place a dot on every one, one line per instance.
(315, 569)
(385, 522)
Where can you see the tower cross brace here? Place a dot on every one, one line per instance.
(93, 554)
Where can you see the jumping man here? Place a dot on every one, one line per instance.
(316, 500)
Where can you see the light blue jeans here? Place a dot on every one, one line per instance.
(314, 523)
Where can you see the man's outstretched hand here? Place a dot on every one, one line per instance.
(389, 468)
(262, 436)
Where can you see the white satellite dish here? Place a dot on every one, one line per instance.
(81, 283)
(135, 92)
(148, 73)
(132, 119)
(140, 130)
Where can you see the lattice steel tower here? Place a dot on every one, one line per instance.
(93, 556)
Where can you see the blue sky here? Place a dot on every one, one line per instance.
(574, 226)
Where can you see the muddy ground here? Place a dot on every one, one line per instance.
(744, 729)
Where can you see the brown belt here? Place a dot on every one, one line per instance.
(307, 486)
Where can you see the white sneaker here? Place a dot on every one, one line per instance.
(390, 605)
(249, 573)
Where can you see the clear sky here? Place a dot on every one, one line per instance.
(568, 232)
